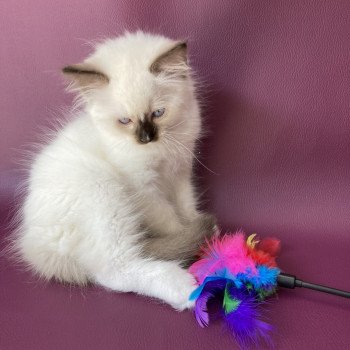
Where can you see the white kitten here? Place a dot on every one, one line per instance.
(110, 198)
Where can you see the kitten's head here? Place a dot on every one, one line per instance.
(138, 89)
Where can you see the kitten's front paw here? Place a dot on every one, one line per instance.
(188, 304)
(185, 285)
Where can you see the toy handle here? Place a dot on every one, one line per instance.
(289, 281)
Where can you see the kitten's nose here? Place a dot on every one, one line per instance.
(145, 138)
(147, 132)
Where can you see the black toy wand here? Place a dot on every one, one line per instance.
(289, 281)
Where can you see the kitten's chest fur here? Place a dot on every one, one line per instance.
(154, 180)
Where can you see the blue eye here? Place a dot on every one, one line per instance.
(124, 121)
(158, 113)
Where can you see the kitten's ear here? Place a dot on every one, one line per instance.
(84, 76)
(173, 61)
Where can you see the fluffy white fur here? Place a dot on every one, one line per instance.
(93, 189)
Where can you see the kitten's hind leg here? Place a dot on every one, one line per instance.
(163, 280)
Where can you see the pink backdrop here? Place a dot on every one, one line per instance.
(276, 83)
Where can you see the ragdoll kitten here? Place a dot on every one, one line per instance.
(110, 198)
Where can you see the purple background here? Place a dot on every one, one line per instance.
(275, 82)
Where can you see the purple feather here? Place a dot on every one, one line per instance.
(244, 322)
(210, 290)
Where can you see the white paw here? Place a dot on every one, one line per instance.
(181, 290)
(184, 306)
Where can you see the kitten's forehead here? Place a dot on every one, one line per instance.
(135, 91)
(127, 62)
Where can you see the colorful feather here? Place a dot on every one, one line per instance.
(239, 273)
(211, 288)
(245, 322)
(230, 252)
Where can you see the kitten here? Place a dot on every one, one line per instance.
(110, 198)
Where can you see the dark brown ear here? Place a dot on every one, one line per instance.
(172, 61)
(85, 76)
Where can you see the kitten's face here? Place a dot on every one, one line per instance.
(138, 94)
(144, 127)
(137, 109)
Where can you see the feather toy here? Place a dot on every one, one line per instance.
(239, 273)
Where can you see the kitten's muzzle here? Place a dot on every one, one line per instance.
(147, 132)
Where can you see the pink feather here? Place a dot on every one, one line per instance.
(229, 251)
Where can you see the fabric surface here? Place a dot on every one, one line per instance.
(274, 79)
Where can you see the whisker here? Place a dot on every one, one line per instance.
(174, 144)
(173, 126)
(198, 139)
(186, 148)
(187, 160)
(167, 144)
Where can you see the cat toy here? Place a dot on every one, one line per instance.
(235, 276)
